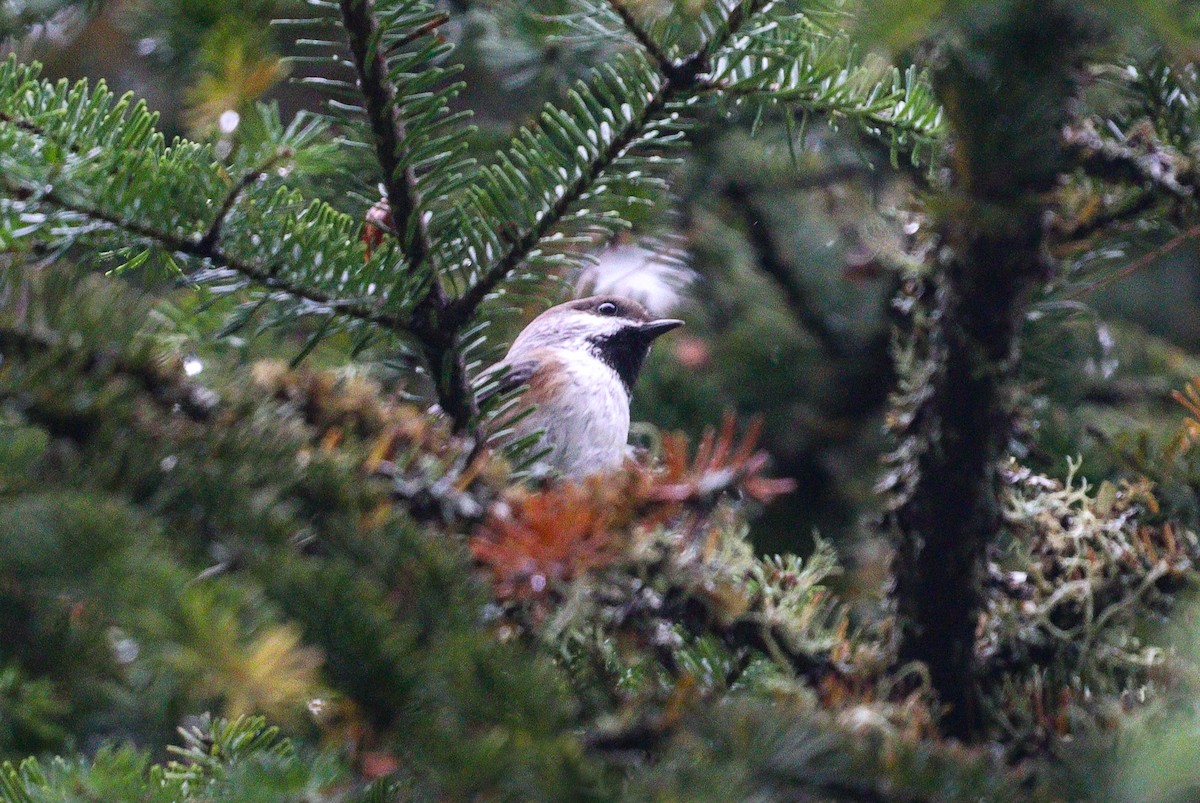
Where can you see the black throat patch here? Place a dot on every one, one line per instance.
(624, 351)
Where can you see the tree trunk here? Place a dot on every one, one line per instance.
(1005, 86)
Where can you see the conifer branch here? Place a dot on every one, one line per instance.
(1181, 239)
(24, 125)
(681, 78)
(738, 15)
(666, 64)
(1117, 161)
(438, 339)
(437, 332)
(196, 248)
(387, 126)
(1073, 235)
(463, 307)
(418, 32)
(204, 246)
(213, 235)
(771, 262)
(750, 632)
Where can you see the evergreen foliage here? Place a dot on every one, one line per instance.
(292, 582)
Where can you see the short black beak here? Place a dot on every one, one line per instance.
(653, 329)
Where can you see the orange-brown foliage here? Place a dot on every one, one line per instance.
(534, 540)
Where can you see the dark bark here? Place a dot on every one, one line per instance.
(952, 512)
(1005, 85)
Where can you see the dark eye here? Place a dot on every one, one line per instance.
(607, 308)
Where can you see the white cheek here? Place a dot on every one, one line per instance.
(585, 327)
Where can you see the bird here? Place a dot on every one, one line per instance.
(577, 364)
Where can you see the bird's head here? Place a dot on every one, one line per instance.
(618, 331)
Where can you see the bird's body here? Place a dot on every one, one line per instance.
(582, 437)
(578, 363)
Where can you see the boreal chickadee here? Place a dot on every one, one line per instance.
(578, 362)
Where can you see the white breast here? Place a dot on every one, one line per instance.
(586, 420)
